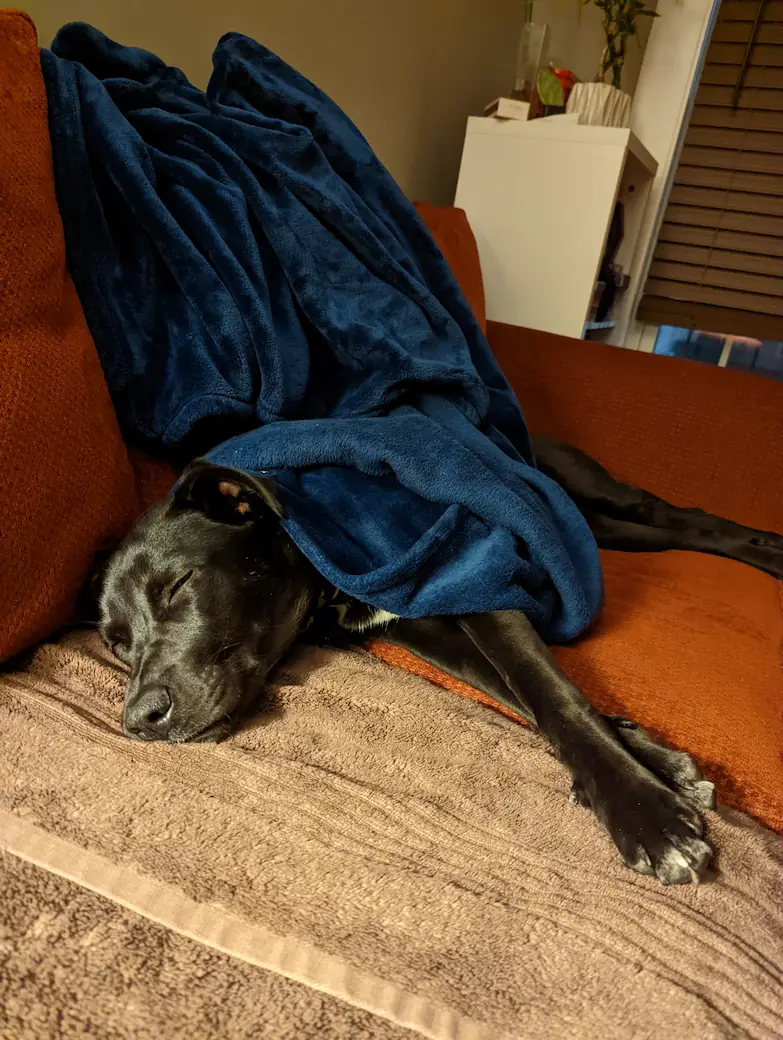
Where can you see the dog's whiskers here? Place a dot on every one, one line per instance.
(217, 653)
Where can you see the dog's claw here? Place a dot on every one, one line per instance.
(641, 864)
(577, 795)
(684, 862)
(704, 794)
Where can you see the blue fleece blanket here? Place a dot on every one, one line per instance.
(254, 278)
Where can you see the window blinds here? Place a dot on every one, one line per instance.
(718, 263)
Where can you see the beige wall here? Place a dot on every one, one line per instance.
(408, 72)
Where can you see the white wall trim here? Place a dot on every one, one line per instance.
(641, 337)
(662, 105)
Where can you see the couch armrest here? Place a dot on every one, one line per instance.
(451, 231)
(692, 433)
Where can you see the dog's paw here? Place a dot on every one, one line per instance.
(656, 830)
(675, 768)
(760, 549)
(765, 551)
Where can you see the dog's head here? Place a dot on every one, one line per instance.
(201, 600)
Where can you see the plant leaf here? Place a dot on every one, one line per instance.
(549, 87)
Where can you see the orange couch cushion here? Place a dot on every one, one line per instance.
(67, 483)
(692, 433)
(689, 646)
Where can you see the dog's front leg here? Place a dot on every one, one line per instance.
(646, 798)
(656, 829)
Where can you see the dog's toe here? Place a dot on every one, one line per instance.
(578, 795)
(641, 863)
(683, 862)
(704, 794)
(700, 793)
(675, 847)
(677, 769)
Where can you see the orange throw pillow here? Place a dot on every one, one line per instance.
(67, 483)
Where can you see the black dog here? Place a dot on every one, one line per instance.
(207, 594)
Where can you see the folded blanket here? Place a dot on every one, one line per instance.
(259, 288)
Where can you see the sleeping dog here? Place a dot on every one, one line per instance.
(208, 592)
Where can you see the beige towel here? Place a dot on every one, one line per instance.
(385, 842)
(73, 964)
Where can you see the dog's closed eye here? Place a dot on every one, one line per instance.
(178, 585)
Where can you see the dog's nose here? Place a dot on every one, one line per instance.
(149, 714)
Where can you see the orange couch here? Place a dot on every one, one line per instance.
(688, 645)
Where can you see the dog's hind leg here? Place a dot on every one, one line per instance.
(625, 517)
(653, 820)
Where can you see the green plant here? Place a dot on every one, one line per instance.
(620, 22)
(550, 89)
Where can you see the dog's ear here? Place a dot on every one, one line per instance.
(227, 496)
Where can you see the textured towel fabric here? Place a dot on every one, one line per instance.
(243, 258)
(73, 964)
(396, 831)
(66, 481)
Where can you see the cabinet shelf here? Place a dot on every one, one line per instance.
(540, 196)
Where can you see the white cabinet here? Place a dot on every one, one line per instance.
(540, 196)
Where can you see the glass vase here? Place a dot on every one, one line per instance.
(531, 56)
